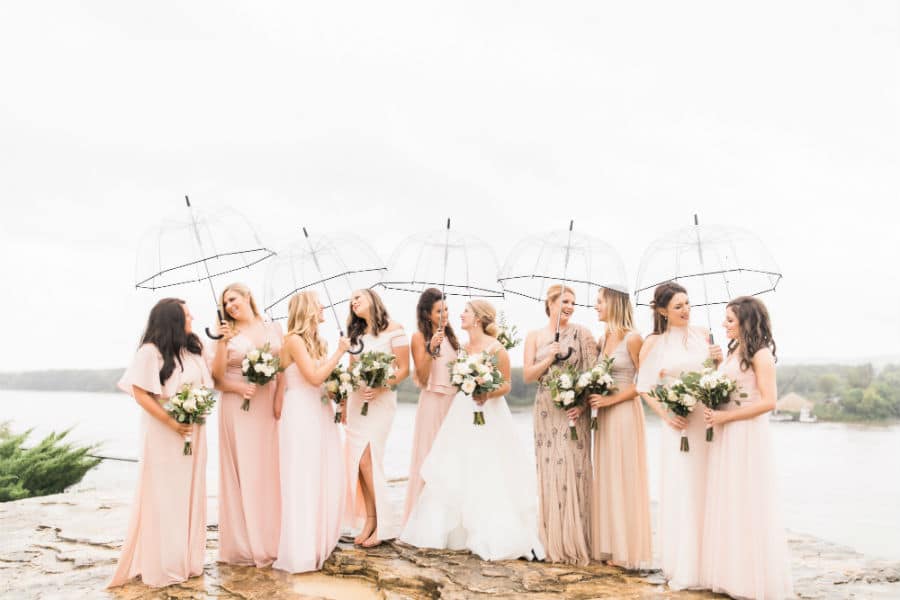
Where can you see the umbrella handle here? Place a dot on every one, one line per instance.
(355, 351)
(210, 334)
(434, 353)
(561, 357)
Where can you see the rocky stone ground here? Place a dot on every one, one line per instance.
(66, 546)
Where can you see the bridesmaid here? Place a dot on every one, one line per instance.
(744, 549)
(433, 376)
(675, 346)
(312, 473)
(166, 539)
(620, 507)
(249, 495)
(563, 465)
(368, 505)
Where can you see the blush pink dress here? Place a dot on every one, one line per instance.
(434, 402)
(371, 431)
(249, 485)
(682, 489)
(744, 550)
(166, 539)
(621, 501)
(312, 477)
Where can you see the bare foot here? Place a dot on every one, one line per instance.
(371, 542)
(367, 531)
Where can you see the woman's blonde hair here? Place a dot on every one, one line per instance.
(486, 314)
(554, 292)
(303, 320)
(619, 316)
(244, 291)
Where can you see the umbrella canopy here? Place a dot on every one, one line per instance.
(455, 262)
(714, 263)
(585, 262)
(195, 247)
(334, 265)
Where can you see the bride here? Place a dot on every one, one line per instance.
(480, 491)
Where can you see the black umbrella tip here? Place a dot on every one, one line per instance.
(187, 201)
(304, 232)
(696, 220)
(571, 225)
(448, 223)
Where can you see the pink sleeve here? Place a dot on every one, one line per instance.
(650, 368)
(399, 339)
(143, 371)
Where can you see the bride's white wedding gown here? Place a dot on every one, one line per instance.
(480, 489)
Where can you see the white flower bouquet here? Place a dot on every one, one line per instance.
(337, 388)
(677, 397)
(260, 367)
(509, 334)
(712, 388)
(474, 375)
(191, 405)
(597, 380)
(561, 380)
(373, 369)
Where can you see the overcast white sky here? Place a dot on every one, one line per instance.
(509, 117)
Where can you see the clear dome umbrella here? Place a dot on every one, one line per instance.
(336, 264)
(457, 263)
(195, 247)
(714, 263)
(580, 261)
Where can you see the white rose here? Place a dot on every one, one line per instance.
(565, 381)
(689, 401)
(189, 405)
(608, 380)
(332, 386)
(245, 365)
(584, 380)
(253, 355)
(708, 381)
(266, 357)
(344, 377)
(456, 379)
(468, 387)
(346, 388)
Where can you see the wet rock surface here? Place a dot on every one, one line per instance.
(66, 546)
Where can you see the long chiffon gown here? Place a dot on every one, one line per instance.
(312, 477)
(682, 490)
(371, 431)
(744, 550)
(621, 500)
(480, 491)
(166, 538)
(564, 465)
(434, 402)
(249, 494)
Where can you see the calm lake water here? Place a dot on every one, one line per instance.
(838, 482)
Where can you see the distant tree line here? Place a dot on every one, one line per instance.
(845, 392)
(840, 392)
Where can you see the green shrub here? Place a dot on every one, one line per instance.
(48, 468)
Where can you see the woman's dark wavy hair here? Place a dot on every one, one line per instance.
(755, 328)
(356, 325)
(662, 295)
(165, 330)
(423, 316)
